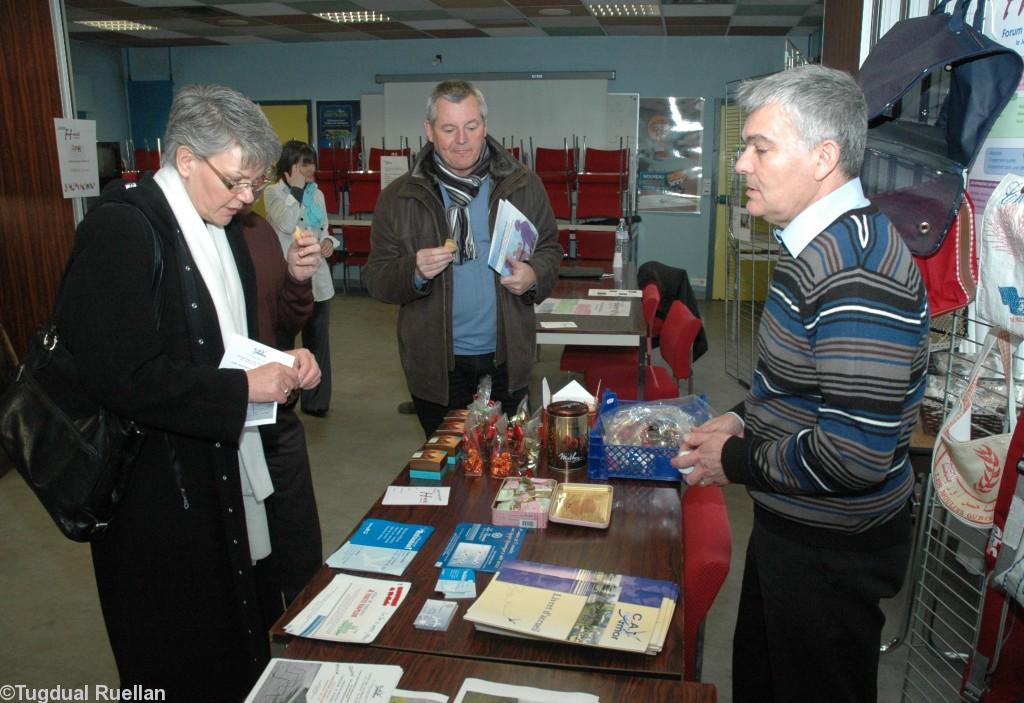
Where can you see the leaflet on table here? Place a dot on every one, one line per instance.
(244, 353)
(579, 606)
(614, 293)
(349, 609)
(514, 237)
(456, 583)
(416, 495)
(400, 696)
(481, 547)
(301, 681)
(583, 306)
(553, 325)
(480, 691)
(381, 547)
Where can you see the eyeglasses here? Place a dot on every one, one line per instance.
(239, 187)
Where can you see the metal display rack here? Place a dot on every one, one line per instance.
(948, 563)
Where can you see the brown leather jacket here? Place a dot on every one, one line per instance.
(410, 216)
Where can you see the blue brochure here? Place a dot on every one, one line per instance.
(381, 547)
(481, 547)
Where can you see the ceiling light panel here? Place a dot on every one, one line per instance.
(353, 17)
(116, 25)
(625, 10)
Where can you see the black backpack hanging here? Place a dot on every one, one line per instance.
(934, 87)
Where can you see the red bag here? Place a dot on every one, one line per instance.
(951, 273)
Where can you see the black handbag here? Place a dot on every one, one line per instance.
(73, 453)
(934, 87)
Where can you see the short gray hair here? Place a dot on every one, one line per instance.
(209, 119)
(454, 91)
(822, 103)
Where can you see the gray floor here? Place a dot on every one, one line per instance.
(51, 631)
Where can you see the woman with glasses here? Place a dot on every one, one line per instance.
(182, 569)
(295, 201)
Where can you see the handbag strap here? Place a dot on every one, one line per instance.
(158, 266)
(959, 15)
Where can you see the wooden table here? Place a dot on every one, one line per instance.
(599, 330)
(643, 539)
(428, 672)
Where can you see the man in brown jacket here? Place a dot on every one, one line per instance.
(459, 320)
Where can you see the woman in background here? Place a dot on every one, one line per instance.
(295, 201)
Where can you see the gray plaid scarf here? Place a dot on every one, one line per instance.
(461, 191)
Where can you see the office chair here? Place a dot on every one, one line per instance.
(677, 337)
(355, 249)
(601, 187)
(707, 549)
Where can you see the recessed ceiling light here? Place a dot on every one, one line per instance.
(353, 17)
(625, 10)
(116, 25)
(553, 12)
(233, 22)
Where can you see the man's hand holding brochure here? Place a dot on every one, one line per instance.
(514, 237)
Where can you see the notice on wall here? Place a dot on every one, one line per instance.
(1003, 150)
(391, 167)
(76, 152)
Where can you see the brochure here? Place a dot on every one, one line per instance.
(244, 353)
(349, 609)
(480, 691)
(514, 237)
(481, 547)
(580, 606)
(381, 547)
(295, 680)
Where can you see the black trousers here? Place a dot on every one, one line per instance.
(296, 545)
(316, 337)
(462, 385)
(809, 622)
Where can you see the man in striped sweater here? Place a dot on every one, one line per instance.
(821, 440)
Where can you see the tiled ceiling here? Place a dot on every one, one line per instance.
(199, 23)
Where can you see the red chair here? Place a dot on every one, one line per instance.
(364, 186)
(595, 244)
(601, 187)
(355, 249)
(581, 357)
(564, 238)
(147, 160)
(677, 336)
(557, 170)
(707, 549)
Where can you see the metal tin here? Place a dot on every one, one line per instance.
(567, 427)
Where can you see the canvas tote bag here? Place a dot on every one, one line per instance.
(966, 472)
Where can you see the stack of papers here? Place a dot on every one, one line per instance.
(288, 680)
(349, 609)
(480, 690)
(481, 547)
(580, 606)
(381, 547)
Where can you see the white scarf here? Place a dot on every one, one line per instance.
(212, 255)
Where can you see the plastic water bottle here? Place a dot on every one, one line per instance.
(621, 243)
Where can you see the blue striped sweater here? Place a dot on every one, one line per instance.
(842, 355)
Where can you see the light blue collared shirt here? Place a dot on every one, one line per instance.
(819, 215)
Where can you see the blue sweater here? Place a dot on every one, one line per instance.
(843, 351)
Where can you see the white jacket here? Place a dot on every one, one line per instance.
(284, 212)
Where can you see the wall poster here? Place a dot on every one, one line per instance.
(669, 154)
(337, 122)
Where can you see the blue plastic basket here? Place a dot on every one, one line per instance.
(628, 461)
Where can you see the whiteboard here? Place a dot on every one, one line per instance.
(550, 111)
